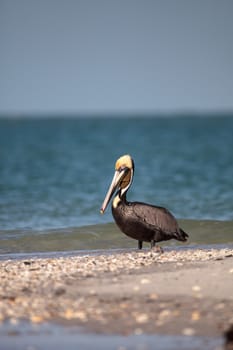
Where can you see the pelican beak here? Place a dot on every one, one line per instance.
(117, 178)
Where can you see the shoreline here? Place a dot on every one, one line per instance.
(107, 251)
(183, 291)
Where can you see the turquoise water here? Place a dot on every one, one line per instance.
(54, 173)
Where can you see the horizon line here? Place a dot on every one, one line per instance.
(119, 114)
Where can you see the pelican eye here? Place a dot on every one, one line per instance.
(123, 168)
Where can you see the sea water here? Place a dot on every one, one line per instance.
(54, 174)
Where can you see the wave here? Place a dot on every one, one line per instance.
(105, 236)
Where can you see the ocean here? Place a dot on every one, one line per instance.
(54, 174)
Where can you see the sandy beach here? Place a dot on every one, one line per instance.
(186, 292)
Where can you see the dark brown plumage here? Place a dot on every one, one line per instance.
(141, 221)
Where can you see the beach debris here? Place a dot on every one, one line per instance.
(141, 318)
(36, 319)
(196, 288)
(163, 317)
(219, 306)
(195, 316)
(145, 281)
(14, 321)
(136, 288)
(153, 296)
(92, 292)
(123, 305)
(164, 314)
(70, 314)
(188, 331)
(59, 291)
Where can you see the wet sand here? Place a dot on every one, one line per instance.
(186, 292)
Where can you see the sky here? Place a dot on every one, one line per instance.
(101, 56)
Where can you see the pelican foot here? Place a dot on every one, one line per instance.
(157, 249)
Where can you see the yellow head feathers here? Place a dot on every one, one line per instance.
(124, 161)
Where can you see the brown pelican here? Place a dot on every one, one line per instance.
(141, 221)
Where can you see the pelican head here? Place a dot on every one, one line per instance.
(122, 179)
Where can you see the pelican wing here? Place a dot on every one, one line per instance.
(156, 217)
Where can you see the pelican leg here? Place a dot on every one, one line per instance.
(152, 244)
(140, 244)
(155, 247)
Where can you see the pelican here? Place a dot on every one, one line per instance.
(140, 221)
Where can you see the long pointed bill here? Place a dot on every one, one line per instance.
(112, 188)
